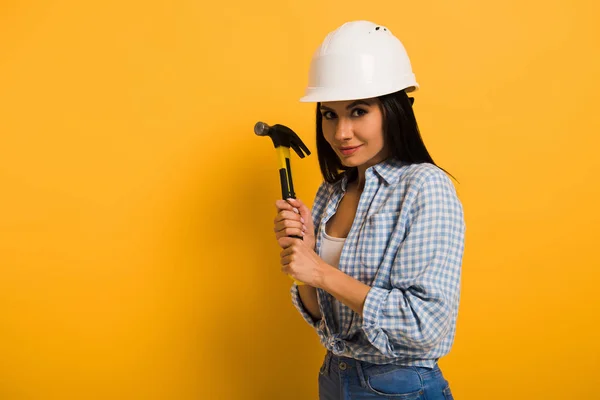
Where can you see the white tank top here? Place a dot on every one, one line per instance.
(331, 250)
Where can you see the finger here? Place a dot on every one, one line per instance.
(286, 269)
(286, 223)
(293, 234)
(297, 203)
(284, 205)
(287, 259)
(289, 251)
(283, 215)
(286, 242)
(289, 226)
(304, 211)
(290, 232)
(283, 243)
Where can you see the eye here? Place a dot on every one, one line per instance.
(358, 112)
(328, 114)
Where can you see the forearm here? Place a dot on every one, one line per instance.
(344, 288)
(308, 295)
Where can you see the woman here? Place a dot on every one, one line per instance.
(380, 259)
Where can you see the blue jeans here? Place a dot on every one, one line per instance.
(343, 378)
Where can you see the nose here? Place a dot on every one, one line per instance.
(343, 130)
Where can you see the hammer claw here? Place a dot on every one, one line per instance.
(297, 149)
(303, 146)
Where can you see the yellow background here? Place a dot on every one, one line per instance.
(137, 259)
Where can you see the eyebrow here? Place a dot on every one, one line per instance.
(349, 106)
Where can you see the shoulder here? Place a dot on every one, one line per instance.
(418, 176)
(429, 186)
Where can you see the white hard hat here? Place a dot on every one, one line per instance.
(359, 60)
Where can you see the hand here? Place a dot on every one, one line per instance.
(294, 219)
(301, 262)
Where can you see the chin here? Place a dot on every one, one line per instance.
(351, 162)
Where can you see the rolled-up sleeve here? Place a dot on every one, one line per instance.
(417, 312)
(297, 301)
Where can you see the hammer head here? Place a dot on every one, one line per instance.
(282, 136)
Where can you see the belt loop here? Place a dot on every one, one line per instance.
(361, 375)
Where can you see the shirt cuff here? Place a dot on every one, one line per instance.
(301, 309)
(372, 314)
(372, 308)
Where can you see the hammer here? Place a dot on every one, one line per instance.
(283, 138)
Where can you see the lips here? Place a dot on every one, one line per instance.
(349, 150)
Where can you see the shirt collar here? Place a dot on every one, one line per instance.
(389, 170)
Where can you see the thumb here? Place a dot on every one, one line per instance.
(304, 212)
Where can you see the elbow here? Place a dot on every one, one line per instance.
(426, 343)
(433, 323)
(437, 328)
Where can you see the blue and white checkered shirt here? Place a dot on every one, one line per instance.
(407, 243)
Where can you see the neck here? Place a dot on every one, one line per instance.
(360, 179)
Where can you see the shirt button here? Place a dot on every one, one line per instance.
(342, 366)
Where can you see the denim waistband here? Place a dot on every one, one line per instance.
(348, 364)
(344, 363)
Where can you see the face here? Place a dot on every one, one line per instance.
(354, 129)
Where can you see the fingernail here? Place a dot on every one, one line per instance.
(301, 219)
(304, 228)
(296, 210)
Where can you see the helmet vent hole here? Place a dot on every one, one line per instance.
(377, 28)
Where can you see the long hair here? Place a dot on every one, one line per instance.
(401, 135)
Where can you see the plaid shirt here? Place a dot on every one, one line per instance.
(407, 243)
